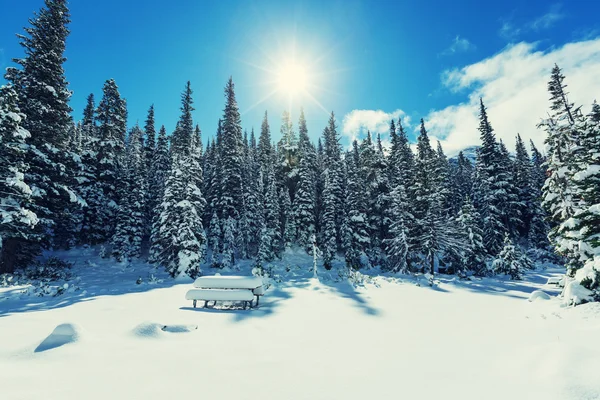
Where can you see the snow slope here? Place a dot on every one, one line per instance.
(391, 337)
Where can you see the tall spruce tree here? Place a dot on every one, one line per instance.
(492, 195)
(231, 157)
(304, 205)
(18, 218)
(560, 197)
(112, 125)
(43, 97)
(180, 234)
(357, 240)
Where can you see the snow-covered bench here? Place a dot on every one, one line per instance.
(226, 288)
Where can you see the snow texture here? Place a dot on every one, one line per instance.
(317, 338)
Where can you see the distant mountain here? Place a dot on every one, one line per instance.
(470, 154)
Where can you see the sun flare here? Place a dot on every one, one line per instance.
(292, 79)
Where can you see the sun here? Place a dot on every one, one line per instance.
(292, 78)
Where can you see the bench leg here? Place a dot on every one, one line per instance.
(205, 303)
(257, 300)
(194, 303)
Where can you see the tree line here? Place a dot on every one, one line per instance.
(183, 204)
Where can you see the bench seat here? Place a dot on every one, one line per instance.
(220, 294)
(228, 282)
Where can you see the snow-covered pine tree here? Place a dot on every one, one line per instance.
(214, 239)
(474, 252)
(286, 222)
(271, 231)
(231, 157)
(91, 232)
(510, 208)
(491, 180)
(149, 149)
(463, 179)
(443, 183)
(265, 149)
(332, 163)
(524, 185)
(18, 219)
(584, 226)
(131, 216)
(356, 236)
(509, 261)
(159, 170)
(229, 243)
(379, 201)
(304, 205)
(287, 149)
(249, 221)
(180, 235)
(560, 200)
(436, 233)
(112, 125)
(538, 162)
(397, 245)
(328, 219)
(43, 96)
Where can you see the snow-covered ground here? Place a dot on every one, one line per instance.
(324, 338)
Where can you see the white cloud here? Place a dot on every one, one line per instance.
(459, 45)
(357, 122)
(510, 30)
(512, 84)
(547, 20)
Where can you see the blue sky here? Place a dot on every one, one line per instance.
(367, 61)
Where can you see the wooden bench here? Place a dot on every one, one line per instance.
(226, 288)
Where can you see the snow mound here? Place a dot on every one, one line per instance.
(574, 294)
(539, 295)
(61, 335)
(154, 330)
(148, 330)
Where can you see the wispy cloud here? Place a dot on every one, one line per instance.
(512, 84)
(511, 30)
(459, 45)
(357, 122)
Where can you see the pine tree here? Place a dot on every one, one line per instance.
(397, 245)
(18, 219)
(435, 232)
(228, 256)
(181, 233)
(328, 222)
(563, 128)
(149, 149)
(270, 238)
(356, 236)
(491, 185)
(215, 241)
(474, 253)
(287, 149)
(112, 124)
(286, 221)
(231, 157)
(584, 226)
(131, 217)
(332, 163)
(463, 180)
(43, 97)
(510, 261)
(304, 205)
(161, 165)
